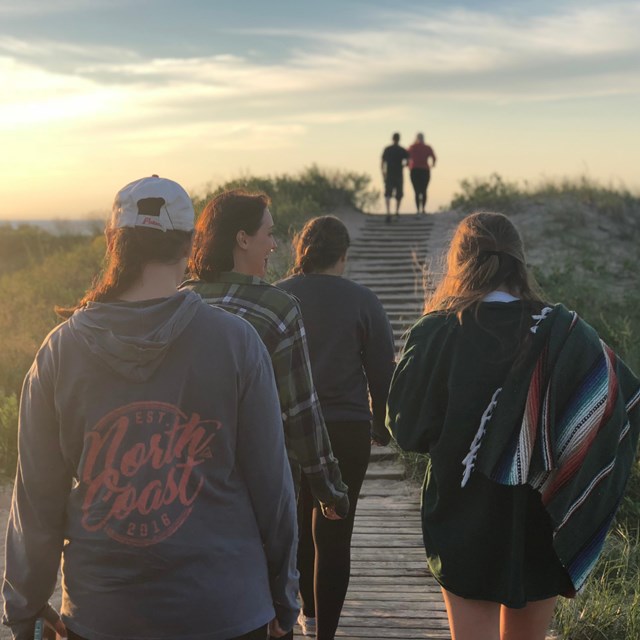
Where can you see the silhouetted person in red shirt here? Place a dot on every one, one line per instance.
(419, 156)
(394, 160)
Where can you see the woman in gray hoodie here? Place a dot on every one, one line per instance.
(151, 456)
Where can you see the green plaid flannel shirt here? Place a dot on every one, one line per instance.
(277, 318)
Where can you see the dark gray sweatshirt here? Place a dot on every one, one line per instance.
(151, 456)
(351, 347)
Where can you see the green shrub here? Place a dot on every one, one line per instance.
(28, 245)
(486, 194)
(26, 317)
(493, 193)
(617, 320)
(297, 198)
(8, 427)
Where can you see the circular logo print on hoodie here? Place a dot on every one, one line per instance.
(141, 471)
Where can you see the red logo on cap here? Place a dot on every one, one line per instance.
(151, 222)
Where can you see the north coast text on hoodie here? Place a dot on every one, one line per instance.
(139, 471)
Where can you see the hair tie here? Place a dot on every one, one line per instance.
(484, 256)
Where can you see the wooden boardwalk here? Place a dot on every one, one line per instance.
(391, 593)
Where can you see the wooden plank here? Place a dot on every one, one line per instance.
(373, 598)
(414, 592)
(409, 525)
(372, 504)
(403, 619)
(396, 634)
(390, 581)
(364, 553)
(395, 573)
(416, 586)
(413, 602)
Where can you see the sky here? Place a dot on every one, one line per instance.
(97, 93)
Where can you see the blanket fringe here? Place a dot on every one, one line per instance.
(469, 459)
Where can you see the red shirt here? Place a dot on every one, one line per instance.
(419, 154)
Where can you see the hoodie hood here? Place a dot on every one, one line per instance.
(133, 338)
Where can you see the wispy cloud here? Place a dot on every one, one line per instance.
(445, 54)
(46, 50)
(18, 8)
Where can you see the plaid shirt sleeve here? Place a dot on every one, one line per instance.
(306, 434)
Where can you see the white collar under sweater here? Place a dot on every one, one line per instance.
(499, 296)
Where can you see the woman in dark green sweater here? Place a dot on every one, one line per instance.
(531, 425)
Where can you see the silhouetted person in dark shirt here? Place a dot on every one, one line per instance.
(394, 160)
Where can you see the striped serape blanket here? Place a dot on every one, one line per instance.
(577, 438)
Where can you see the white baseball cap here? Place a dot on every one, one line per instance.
(155, 203)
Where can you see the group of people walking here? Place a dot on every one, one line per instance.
(194, 449)
(420, 159)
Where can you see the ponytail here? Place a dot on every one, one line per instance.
(320, 244)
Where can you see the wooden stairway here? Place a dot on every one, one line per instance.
(391, 592)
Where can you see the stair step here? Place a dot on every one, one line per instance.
(412, 239)
(411, 270)
(385, 471)
(382, 453)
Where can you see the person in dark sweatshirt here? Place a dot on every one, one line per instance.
(352, 351)
(531, 423)
(151, 456)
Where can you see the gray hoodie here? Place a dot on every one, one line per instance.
(151, 456)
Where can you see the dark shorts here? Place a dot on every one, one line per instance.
(393, 187)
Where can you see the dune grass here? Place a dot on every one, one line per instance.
(494, 193)
(313, 191)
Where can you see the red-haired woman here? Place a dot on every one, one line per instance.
(233, 241)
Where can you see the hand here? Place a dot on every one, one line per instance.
(61, 630)
(275, 630)
(375, 443)
(330, 512)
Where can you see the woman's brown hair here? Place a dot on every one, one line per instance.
(320, 244)
(486, 253)
(217, 228)
(129, 249)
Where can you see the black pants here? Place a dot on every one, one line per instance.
(420, 181)
(256, 634)
(324, 551)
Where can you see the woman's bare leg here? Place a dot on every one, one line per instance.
(472, 619)
(529, 623)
